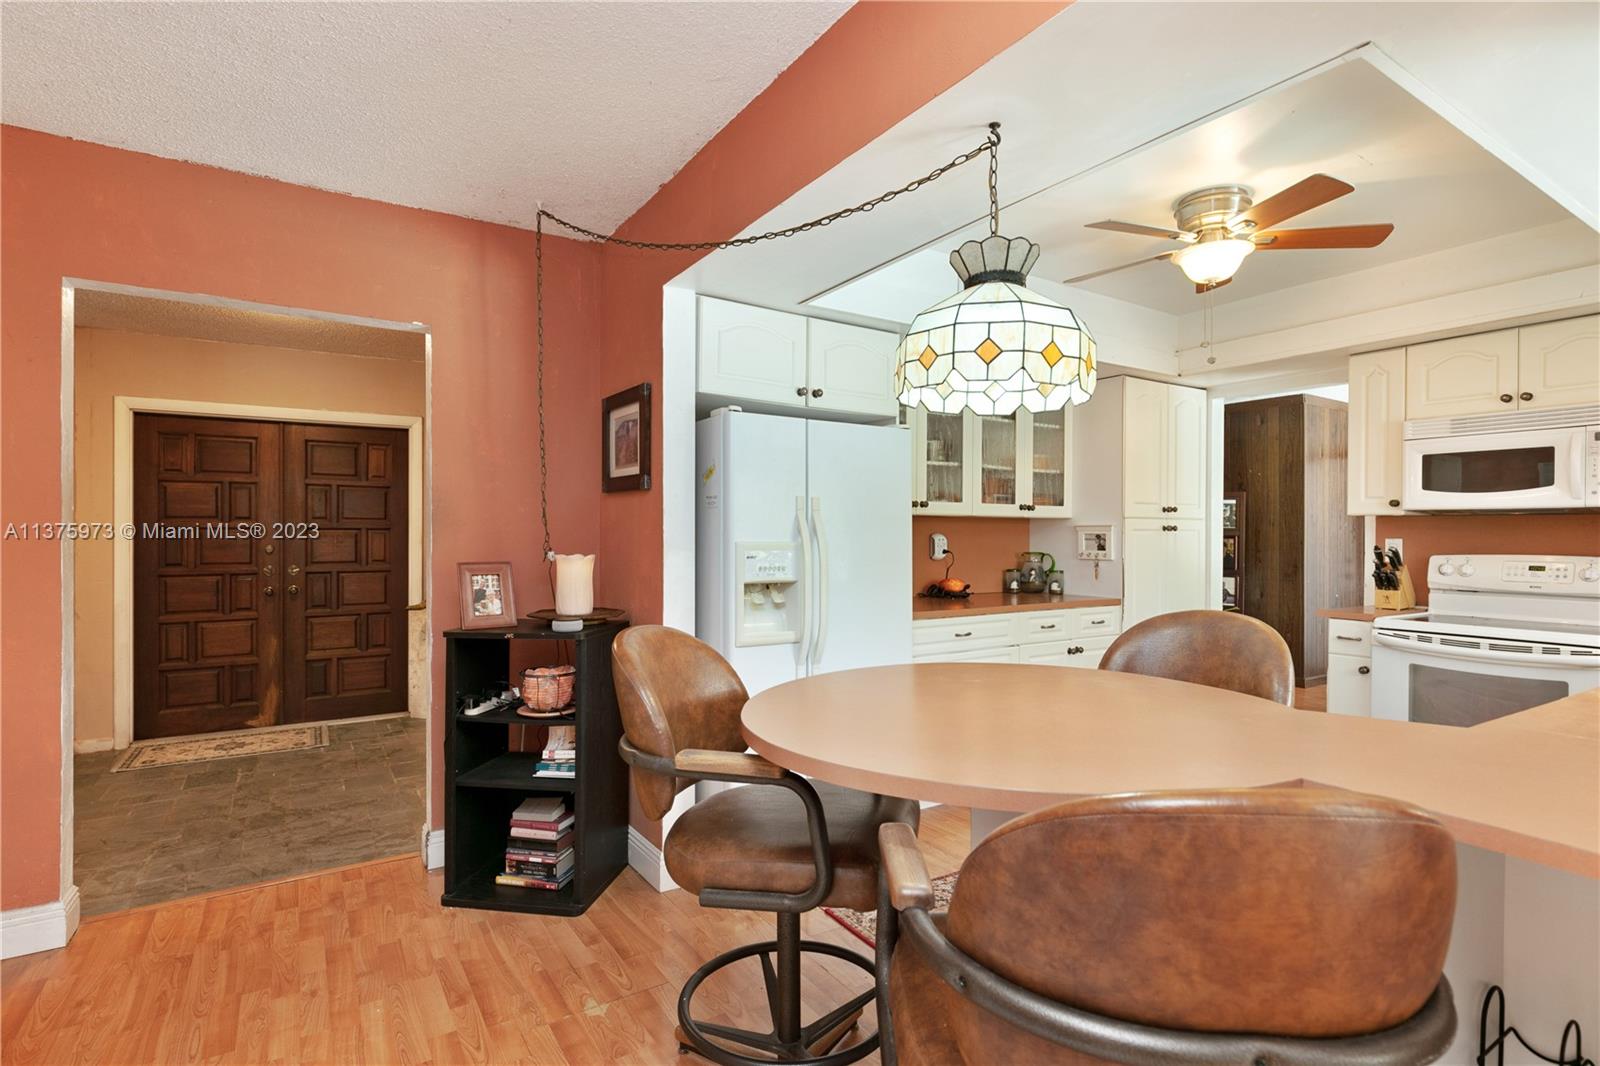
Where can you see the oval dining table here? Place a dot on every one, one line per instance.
(1006, 738)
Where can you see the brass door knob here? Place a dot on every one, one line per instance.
(1506, 397)
(1526, 396)
(294, 590)
(267, 591)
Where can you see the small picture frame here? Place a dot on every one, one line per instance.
(1233, 511)
(625, 440)
(487, 600)
(1230, 553)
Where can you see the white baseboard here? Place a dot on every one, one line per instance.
(25, 930)
(432, 848)
(646, 858)
(85, 747)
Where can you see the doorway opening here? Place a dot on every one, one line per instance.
(250, 677)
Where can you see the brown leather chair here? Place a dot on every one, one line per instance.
(1221, 649)
(787, 845)
(1243, 926)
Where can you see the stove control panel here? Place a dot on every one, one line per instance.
(1557, 575)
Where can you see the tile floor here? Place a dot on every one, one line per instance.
(145, 836)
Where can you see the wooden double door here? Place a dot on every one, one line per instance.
(270, 573)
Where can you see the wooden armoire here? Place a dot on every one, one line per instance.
(1300, 551)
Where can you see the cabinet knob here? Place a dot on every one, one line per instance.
(1506, 397)
(1525, 397)
(816, 392)
(1394, 503)
(1363, 669)
(801, 391)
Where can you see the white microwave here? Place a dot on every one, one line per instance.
(1527, 461)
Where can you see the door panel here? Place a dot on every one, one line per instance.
(1559, 363)
(344, 590)
(1050, 469)
(998, 456)
(853, 367)
(1377, 424)
(752, 353)
(945, 458)
(207, 625)
(1462, 375)
(1145, 558)
(1144, 462)
(1186, 451)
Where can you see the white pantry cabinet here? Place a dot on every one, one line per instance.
(1164, 450)
(1164, 567)
(1462, 376)
(1558, 363)
(777, 360)
(1016, 466)
(1375, 469)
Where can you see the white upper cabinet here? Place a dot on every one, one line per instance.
(775, 359)
(1003, 467)
(1375, 470)
(940, 462)
(1144, 452)
(1559, 363)
(1163, 450)
(1186, 451)
(1046, 445)
(851, 369)
(1462, 376)
(999, 466)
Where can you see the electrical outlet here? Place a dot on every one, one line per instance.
(938, 546)
(1396, 543)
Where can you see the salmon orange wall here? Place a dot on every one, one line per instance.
(876, 65)
(983, 547)
(1488, 534)
(72, 209)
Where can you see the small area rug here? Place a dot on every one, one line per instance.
(151, 753)
(864, 924)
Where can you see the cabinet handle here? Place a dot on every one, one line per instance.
(1051, 625)
(1526, 396)
(1506, 397)
(968, 633)
(816, 392)
(1394, 503)
(1097, 621)
(1363, 669)
(801, 391)
(1341, 636)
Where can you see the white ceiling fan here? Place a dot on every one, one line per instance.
(1220, 225)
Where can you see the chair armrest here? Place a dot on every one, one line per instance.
(903, 868)
(730, 764)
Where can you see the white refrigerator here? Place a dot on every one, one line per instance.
(803, 545)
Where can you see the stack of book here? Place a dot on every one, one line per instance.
(560, 754)
(539, 851)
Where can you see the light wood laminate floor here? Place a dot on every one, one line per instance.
(362, 965)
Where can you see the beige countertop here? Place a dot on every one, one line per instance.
(1002, 603)
(1366, 612)
(1017, 738)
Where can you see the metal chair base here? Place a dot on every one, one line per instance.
(788, 1042)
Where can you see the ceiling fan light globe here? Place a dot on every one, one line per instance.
(1209, 262)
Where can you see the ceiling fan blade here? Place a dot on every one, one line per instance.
(1202, 287)
(1113, 270)
(1314, 191)
(1142, 231)
(1325, 237)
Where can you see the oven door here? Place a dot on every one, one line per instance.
(1445, 685)
(1538, 469)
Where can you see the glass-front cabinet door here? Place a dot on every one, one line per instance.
(998, 454)
(939, 463)
(1049, 442)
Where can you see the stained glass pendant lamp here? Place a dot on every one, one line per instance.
(996, 345)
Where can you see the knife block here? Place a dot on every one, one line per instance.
(1396, 599)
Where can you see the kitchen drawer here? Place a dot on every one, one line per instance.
(947, 634)
(1097, 621)
(1080, 653)
(1347, 637)
(1007, 654)
(1042, 627)
(1350, 685)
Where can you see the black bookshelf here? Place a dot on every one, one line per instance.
(485, 777)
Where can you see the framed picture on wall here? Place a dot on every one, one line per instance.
(487, 601)
(625, 440)
(1233, 510)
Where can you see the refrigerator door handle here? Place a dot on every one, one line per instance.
(805, 584)
(821, 531)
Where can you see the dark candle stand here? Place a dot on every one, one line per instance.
(1496, 998)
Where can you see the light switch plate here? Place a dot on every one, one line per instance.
(938, 545)
(1397, 544)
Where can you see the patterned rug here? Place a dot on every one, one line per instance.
(864, 924)
(148, 753)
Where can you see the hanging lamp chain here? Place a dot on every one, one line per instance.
(990, 145)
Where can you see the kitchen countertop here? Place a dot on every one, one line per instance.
(1002, 603)
(1366, 612)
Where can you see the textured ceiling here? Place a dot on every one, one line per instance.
(99, 309)
(476, 109)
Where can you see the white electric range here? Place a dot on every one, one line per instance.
(1502, 633)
